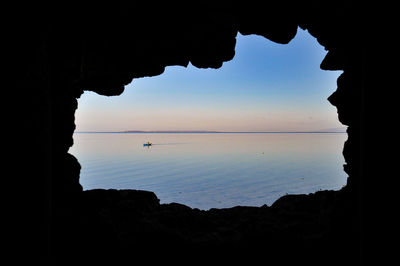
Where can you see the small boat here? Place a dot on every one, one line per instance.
(148, 144)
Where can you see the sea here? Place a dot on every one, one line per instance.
(212, 170)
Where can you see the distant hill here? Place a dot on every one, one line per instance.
(169, 131)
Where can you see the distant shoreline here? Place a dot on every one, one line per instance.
(206, 132)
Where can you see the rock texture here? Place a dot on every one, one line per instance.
(58, 51)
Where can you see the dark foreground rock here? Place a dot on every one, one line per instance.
(117, 226)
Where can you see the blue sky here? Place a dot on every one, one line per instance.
(265, 87)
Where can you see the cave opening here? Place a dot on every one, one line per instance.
(60, 51)
(256, 129)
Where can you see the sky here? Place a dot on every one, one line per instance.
(265, 87)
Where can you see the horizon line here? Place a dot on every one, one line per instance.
(206, 131)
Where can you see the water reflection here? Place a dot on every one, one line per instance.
(212, 170)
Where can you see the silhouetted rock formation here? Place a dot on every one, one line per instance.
(60, 51)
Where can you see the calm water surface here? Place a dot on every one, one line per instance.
(212, 170)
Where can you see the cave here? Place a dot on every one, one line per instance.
(60, 51)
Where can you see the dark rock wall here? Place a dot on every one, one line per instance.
(60, 50)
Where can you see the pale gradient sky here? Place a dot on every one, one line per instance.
(265, 87)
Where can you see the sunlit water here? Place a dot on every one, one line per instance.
(212, 170)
